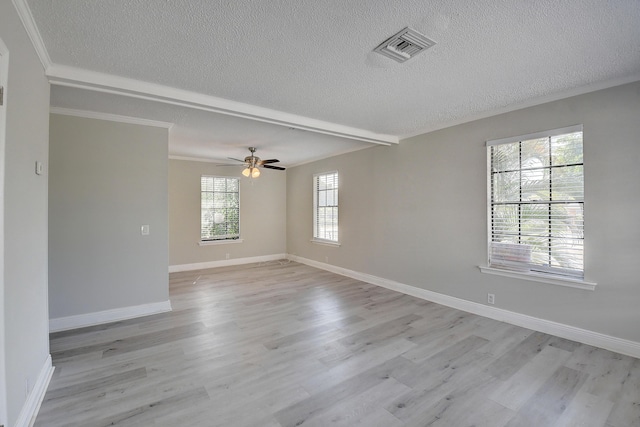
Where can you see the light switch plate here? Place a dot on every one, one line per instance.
(39, 168)
(144, 230)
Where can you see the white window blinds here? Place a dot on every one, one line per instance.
(536, 202)
(219, 208)
(325, 206)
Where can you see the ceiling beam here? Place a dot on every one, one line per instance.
(90, 80)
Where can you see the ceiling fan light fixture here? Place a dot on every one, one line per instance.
(253, 164)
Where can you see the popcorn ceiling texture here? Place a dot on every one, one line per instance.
(314, 58)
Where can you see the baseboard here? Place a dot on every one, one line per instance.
(596, 339)
(224, 263)
(31, 407)
(107, 316)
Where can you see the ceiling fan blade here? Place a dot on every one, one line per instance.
(237, 160)
(278, 168)
(264, 162)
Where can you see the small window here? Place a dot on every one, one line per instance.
(325, 207)
(220, 208)
(536, 203)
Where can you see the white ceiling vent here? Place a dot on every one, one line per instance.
(404, 45)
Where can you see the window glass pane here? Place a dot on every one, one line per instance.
(567, 183)
(206, 183)
(505, 157)
(567, 253)
(331, 198)
(506, 187)
(535, 185)
(219, 184)
(505, 223)
(534, 220)
(233, 200)
(535, 153)
(233, 185)
(539, 249)
(322, 182)
(207, 200)
(322, 198)
(566, 149)
(567, 221)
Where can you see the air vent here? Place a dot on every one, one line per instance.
(404, 45)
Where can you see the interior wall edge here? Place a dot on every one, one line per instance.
(36, 396)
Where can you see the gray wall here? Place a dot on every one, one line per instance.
(24, 313)
(416, 213)
(262, 214)
(107, 179)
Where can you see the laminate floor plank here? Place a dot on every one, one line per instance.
(510, 362)
(547, 405)
(349, 411)
(586, 410)
(283, 344)
(514, 392)
(626, 409)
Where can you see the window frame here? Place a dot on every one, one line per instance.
(316, 190)
(540, 274)
(227, 238)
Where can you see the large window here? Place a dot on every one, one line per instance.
(220, 208)
(536, 206)
(325, 207)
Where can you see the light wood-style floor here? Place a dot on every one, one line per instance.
(289, 345)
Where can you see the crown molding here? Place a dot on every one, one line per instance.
(581, 90)
(91, 80)
(32, 30)
(110, 117)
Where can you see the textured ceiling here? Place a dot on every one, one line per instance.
(315, 59)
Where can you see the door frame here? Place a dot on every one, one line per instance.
(4, 71)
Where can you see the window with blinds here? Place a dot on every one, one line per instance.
(325, 207)
(219, 208)
(536, 202)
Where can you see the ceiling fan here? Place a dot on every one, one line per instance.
(253, 163)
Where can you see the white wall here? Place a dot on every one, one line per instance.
(24, 283)
(262, 214)
(416, 213)
(107, 179)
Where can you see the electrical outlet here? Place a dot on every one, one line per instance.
(491, 298)
(227, 255)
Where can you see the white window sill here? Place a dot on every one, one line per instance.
(325, 242)
(541, 277)
(219, 242)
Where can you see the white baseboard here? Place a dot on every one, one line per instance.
(31, 407)
(596, 339)
(225, 263)
(107, 316)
